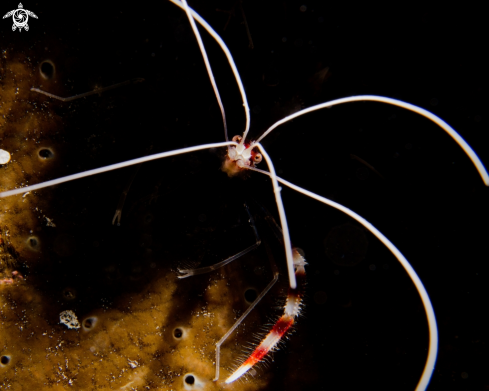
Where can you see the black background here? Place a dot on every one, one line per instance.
(430, 203)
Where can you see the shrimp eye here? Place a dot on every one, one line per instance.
(257, 158)
(237, 139)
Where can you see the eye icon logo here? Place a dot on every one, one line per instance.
(20, 16)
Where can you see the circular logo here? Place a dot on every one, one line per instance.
(20, 17)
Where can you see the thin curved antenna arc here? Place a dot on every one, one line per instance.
(430, 313)
(374, 98)
(229, 57)
(207, 65)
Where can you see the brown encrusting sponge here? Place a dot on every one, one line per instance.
(86, 305)
(53, 334)
(28, 129)
(129, 346)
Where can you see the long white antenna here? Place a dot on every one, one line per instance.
(112, 167)
(373, 98)
(428, 307)
(226, 51)
(207, 65)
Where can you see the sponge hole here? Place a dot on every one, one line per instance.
(89, 323)
(68, 293)
(46, 153)
(33, 243)
(47, 70)
(4, 360)
(178, 333)
(250, 295)
(192, 382)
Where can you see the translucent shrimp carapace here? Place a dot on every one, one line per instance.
(240, 157)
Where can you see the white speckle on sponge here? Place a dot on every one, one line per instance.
(69, 319)
(4, 156)
(133, 364)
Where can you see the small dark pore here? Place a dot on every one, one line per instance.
(47, 70)
(250, 295)
(69, 294)
(88, 323)
(177, 333)
(189, 379)
(46, 153)
(4, 360)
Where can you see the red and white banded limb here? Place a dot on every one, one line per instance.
(292, 309)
